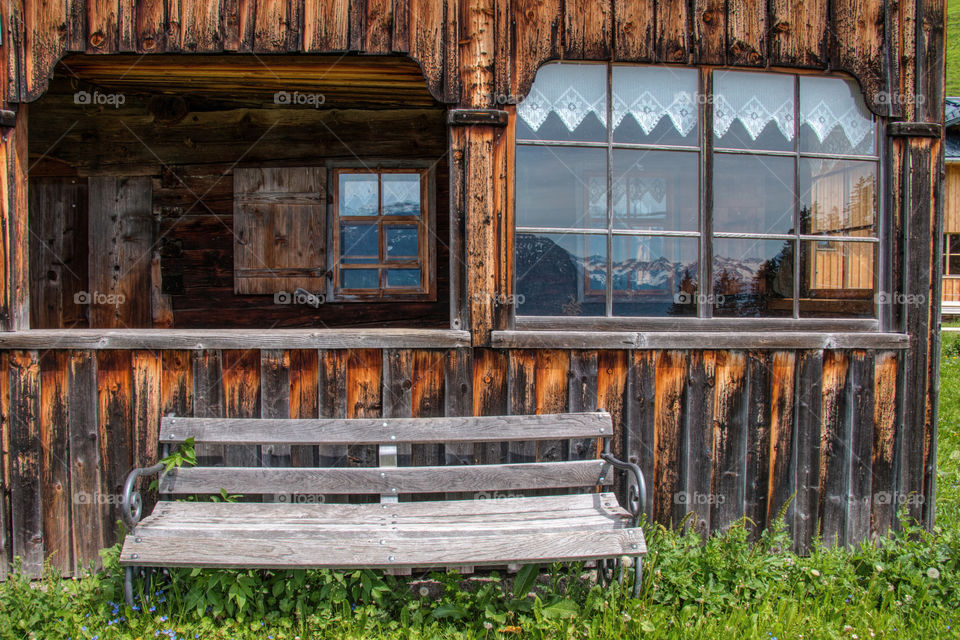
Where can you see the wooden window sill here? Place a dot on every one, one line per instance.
(234, 339)
(531, 339)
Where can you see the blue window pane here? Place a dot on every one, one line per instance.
(561, 274)
(402, 242)
(358, 194)
(360, 278)
(403, 278)
(655, 276)
(401, 194)
(358, 243)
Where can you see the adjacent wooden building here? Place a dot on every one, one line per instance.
(718, 221)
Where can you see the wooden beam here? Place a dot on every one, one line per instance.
(14, 272)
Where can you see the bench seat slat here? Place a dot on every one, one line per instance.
(409, 513)
(387, 480)
(381, 549)
(357, 431)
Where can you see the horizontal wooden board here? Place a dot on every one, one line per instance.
(528, 339)
(386, 480)
(382, 549)
(387, 430)
(234, 339)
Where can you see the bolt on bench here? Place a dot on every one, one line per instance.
(393, 535)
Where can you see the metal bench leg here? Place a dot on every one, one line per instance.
(637, 575)
(128, 585)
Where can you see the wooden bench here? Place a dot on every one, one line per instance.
(395, 533)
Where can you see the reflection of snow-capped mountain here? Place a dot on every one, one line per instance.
(744, 268)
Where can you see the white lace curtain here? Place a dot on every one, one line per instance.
(650, 94)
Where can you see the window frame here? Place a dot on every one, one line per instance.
(426, 233)
(947, 254)
(704, 319)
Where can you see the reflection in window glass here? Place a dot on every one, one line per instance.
(837, 196)
(753, 194)
(358, 194)
(566, 102)
(561, 187)
(834, 118)
(652, 190)
(753, 110)
(402, 242)
(401, 194)
(837, 279)
(654, 105)
(359, 243)
(561, 274)
(654, 276)
(360, 278)
(403, 278)
(753, 277)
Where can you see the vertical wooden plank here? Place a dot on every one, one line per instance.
(698, 464)
(746, 33)
(861, 443)
(400, 29)
(176, 383)
(588, 29)
(364, 380)
(857, 45)
(150, 26)
(729, 439)
(115, 419)
(521, 385)
(126, 25)
(458, 399)
(26, 512)
(807, 406)
(121, 235)
(883, 505)
(5, 556)
(798, 33)
(490, 398)
(378, 22)
(611, 392)
(58, 252)
(671, 378)
(55, 461)
(271, 32)
(427, 400)
(835, 446)
(304, 400)
(325, 25)
(241, 399)
(633, 30)
(333, 401)
(428, 39)
(482, 232)
(86, 461)
(782, 393)
(710, 31)
(275, 401)
(583, 397)
(102, 27)
(208, 399)
(397, 392)
(76, 24)
(641, 414)
(44, 41)
(673, 38)
(758, 439)
(200, 28)
(146, 416)
(551, 371)
(14, 247)
(536, 36)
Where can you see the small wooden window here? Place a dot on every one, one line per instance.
(951, 254)
(382, 235)
(279, 223)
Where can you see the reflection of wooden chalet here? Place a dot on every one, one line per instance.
(717, 222)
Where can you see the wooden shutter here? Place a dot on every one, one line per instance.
(279, 218)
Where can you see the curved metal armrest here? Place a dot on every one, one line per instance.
(636, 491)
(132, 503)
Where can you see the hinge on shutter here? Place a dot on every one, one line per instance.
(914, 130)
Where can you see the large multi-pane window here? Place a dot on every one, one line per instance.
(654, 191)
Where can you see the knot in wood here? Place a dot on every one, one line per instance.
(707, 17)
(148, 42)
(781, 27)
(678, 54)
(97, 38)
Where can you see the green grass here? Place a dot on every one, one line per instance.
(953, 48)
(907, 586)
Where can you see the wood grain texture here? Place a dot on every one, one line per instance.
(747, 34)
(588, 29)
(241, 390)
(709, 31)
(699, 428)
(863, 402)
(781, 487)
(758, 437)
(208, 398)
(584, 371)
(87, 465)
(364, 385)
(798, 33)
(667, 483)
(332, 390)
(673, 36)
(489, 398)
(115, 423)
(147, 381)
(835, 446)
(807, 407)
(385, 480)
(883, 506)
(551, 370)
(55, 461)
(633, 30)
(729, 439)
(304, 399)
(275, 402)
(26, 512)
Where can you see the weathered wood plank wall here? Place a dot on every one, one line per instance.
(720, 435)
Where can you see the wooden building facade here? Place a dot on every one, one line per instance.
(718, 221)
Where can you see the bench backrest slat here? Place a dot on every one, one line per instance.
(596, 424)
(387, 480)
